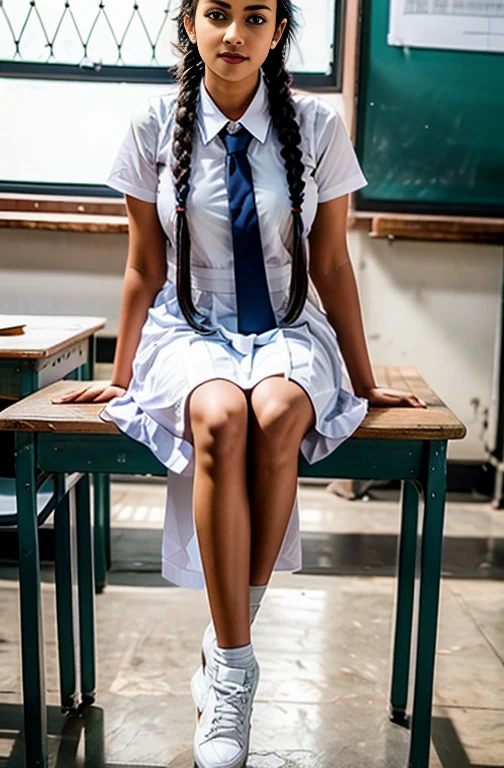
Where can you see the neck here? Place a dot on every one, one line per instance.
(232, 98)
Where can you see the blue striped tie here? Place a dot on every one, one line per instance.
(255, 313)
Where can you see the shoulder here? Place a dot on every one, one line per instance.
(317, 120)
(310, 104)
(154, 111)
(151, 122)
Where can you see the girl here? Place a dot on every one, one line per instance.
(229, 364)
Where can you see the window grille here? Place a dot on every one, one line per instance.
(131, 41)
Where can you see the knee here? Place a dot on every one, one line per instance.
(275, 421)
(279, 423)
(219, 421)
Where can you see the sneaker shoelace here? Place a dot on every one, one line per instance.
(229, 710)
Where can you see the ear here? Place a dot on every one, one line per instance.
(189, 28)
(279, 31)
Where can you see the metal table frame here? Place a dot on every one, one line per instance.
(420, 464)
(20, 377)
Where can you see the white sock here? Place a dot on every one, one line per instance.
(256, 594)
(235, 657)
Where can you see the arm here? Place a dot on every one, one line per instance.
(144, 276)
(333, 276)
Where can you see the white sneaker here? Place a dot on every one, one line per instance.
(199, 681)
(222, 734)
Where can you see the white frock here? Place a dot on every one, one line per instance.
(172, 359)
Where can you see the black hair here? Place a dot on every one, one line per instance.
(188, 74)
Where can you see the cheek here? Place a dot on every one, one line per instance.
(207, 39)
(208, 36)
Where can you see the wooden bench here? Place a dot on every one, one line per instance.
(408, 444)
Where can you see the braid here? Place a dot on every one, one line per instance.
(189, 74)
(283, 116)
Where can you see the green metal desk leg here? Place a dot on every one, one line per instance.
(102, 498)
(404, 603)
(86, 592)
(32, 641)
(64, 599)
(106, 522)
(87, 368)
(434, 486)
(100, 485)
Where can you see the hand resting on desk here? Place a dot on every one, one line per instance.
(390, 398)
(91, 394)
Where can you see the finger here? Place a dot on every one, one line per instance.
(86, 396)
(416, 403)
(65, 398)
(103, 397)
(78, 396)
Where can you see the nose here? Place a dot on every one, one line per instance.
(233, 35)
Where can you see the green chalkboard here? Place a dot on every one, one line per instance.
(430, 125)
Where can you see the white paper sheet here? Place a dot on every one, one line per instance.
(467, 25)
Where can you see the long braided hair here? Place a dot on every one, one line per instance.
(188, 74)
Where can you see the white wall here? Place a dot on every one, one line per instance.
(435, 306)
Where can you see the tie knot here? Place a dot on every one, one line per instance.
(237, 141)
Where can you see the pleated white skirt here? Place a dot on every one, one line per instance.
(172, 359)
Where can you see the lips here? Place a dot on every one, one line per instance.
(233, 56)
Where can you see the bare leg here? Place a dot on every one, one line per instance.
(281, 413)
(219, 415)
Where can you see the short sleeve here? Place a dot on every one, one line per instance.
(337, 169)
(134, 171)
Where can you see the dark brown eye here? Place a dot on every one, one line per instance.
(255, 16)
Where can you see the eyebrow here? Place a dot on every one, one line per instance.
(247, 7)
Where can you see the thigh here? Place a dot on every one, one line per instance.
(279, 406)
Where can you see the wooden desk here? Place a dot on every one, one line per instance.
(392, 443)
(50, 348)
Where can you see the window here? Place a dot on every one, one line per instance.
(72, 71)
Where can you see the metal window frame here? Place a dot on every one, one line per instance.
(331, 82)
(118, 73)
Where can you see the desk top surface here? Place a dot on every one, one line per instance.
(45, 335)
(36, 413)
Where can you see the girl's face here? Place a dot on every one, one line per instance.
(234, 26)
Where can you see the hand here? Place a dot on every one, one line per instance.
(390, 398)
(99, 393)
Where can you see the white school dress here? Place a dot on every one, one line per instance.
(172, 358)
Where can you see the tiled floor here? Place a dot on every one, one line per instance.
(322, 640)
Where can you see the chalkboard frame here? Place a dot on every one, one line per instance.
(363, 201)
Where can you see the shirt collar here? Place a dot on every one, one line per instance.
(256, 118)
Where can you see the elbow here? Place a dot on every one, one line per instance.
(151, 280)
